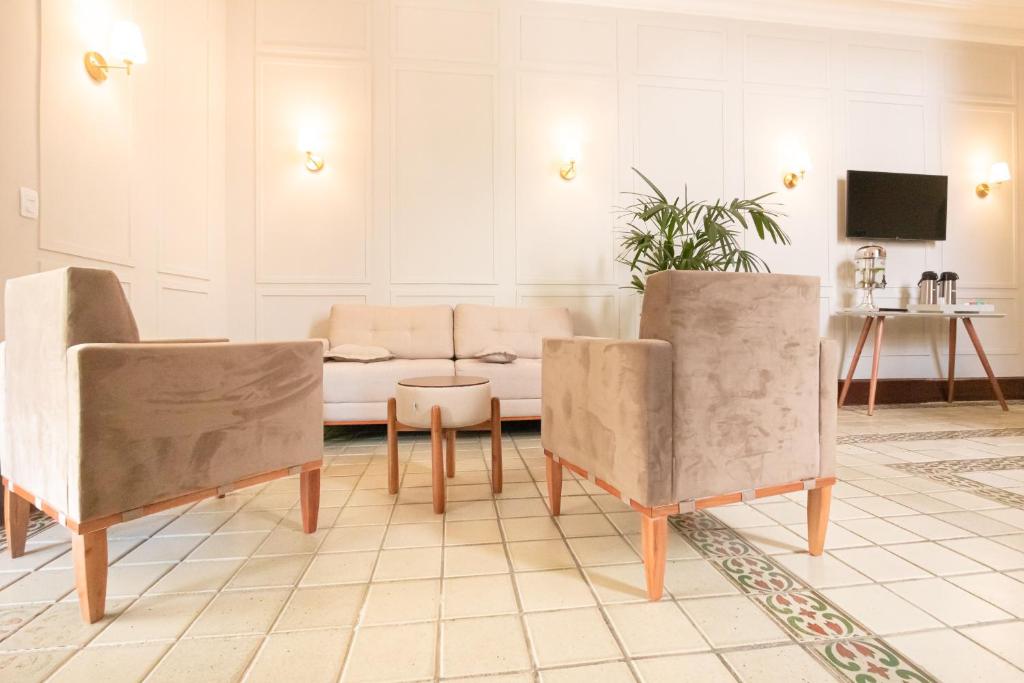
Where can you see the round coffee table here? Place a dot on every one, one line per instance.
(444, 406)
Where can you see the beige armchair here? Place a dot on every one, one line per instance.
(101, 428)
(729, 395)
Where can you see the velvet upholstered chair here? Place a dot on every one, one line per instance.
(729, 395)
(100, 428)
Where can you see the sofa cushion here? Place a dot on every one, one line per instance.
(518, 379)
(373, 382)
(405, 331)
(354, 353)
(521, 329)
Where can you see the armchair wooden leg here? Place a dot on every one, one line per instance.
(437, 459)
(497, 476)
(309, 495)
(554, 485)
(392, 447)
(449, 452)
(818, 503)
(653, 540)
(16, 514)
(89, 552)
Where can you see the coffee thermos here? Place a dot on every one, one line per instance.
(945, 291)
(926, 287)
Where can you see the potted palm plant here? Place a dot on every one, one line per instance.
(663, 234)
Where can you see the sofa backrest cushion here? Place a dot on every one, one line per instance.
(481, 327)
(405, 331)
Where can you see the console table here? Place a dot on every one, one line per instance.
(877, 318)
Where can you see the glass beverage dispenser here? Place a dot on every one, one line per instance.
(869, 263)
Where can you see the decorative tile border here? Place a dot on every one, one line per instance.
(946, 471)
(840, 642)
(848, 439)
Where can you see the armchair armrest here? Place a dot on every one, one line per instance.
(150, 422)
(192, 340)
(828, 386)
(607, 407)
(326, 343)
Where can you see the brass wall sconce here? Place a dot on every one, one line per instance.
(126, 47)
(568, 170)
(314, 162)
(792, 179)
(999, 174)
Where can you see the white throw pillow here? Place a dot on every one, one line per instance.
(354, 353)
(497, 354)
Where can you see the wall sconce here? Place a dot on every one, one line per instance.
(798, 163)
(314, 162)
(126, 46)
(792, 179)
(999, 174)
(568, 170)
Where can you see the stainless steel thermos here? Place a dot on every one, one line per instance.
(946, 290)
(926, 288)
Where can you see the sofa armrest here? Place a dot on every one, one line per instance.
(607, 407)
(828, 386)
(148, 422)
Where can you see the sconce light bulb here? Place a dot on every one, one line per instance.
(314, 162)
(792, 179)
(568, 170)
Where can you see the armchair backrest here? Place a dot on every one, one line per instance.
(45, 314)
(745, 376)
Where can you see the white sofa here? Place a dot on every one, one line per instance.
(435, 340)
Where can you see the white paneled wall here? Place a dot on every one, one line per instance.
(444, 122)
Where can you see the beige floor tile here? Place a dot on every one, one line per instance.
(571, 637)
(1003, 639)
(950, 656)
(530, 528)
(458, 511)
(129, 580)
(472, 532)
(557, 589)
(322, 607)
(789, 664)
(258, 520)
(523, 507)
(393, 602)
(879, 564)
(534, 555)
(35, 556)
(607, 672)
(774, 540)
(189, 577)
(223, 545)
(937, 559)
(483, 645)
(732, 621)
(240, 613)
(879, 531)
(741, 515)
(333, 568)
(408, 650)
(414, 535)
(111, 663)
(706, 668)
(473, 596)
(408, 563)
(586, 525)
(267, 572)
(353, 538)
(655, 628)
(155, 618)
(597, 550)
(823, 571)
(880, 610)
(39, 586)
(196, 523)
(983, 550)
(617, 583)
(31, 667)
(61, 625)
(361, 516)
(14, 617)
(929, 527)
(163, 549)
(193, 659)
(677, 547)
(319, 654)
(471, 560)
(948, 603)
(286, 541)
(998, 589)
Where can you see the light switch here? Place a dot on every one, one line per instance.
(29, 203)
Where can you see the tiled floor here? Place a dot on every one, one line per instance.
(923, 578)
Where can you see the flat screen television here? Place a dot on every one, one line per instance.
(898, 206)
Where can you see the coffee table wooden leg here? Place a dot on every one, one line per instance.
(437, 459)
(952, 360)
(856, 358)
(496, 467)
(392, 447)
(973, 334)
(879, 327)
(449, 452)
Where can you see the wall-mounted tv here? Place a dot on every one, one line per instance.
(898, 206)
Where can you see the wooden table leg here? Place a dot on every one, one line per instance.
(856, 358)
(89, 555)
(973, 334)
(449, 452)
(496, 467)
(952, 360)
(392, 447)
(879, 327)
(437, 459)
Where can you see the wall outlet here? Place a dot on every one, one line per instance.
(29, 203)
